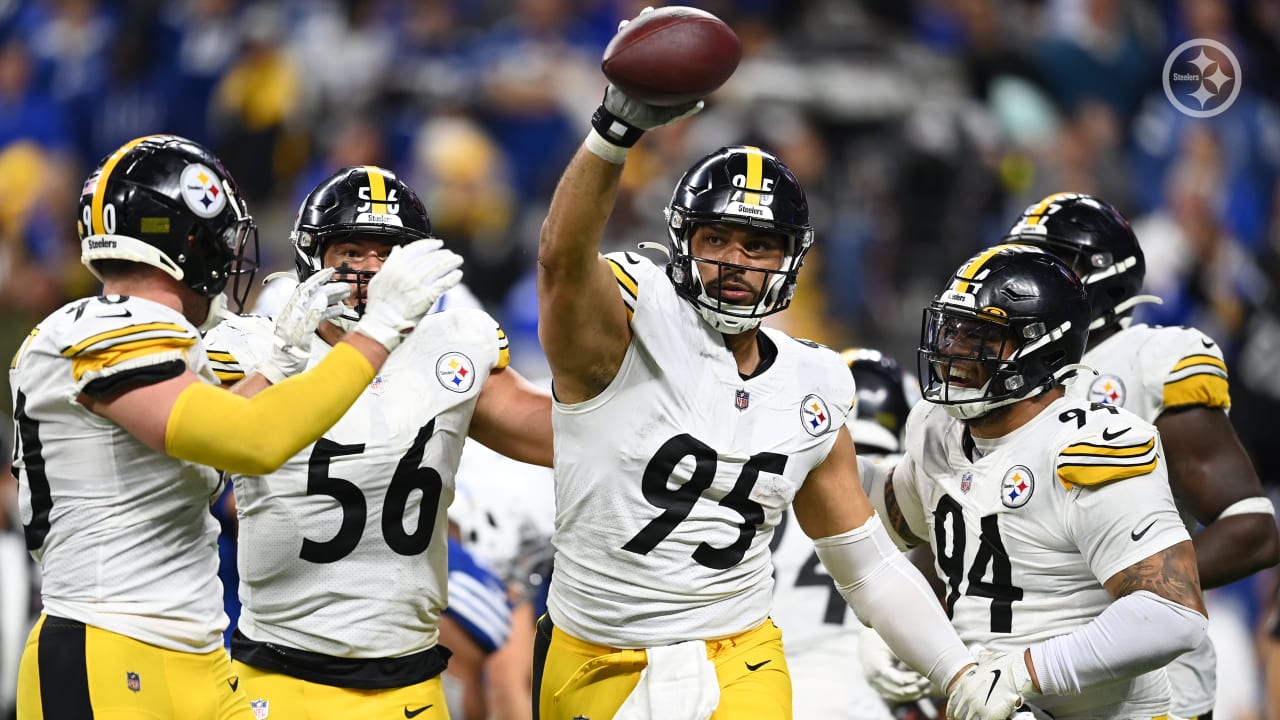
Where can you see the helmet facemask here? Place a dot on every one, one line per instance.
(974, 362)
(355, 204)
(776, 291)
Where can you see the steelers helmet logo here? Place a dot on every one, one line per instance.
(202, 190)
(1017, 486)
(1108, 390)
(455, 372)
(814, 415)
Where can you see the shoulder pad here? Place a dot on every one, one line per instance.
(120, 324)
(238, 344)
(629, 270)
(1191, 367)
(1110, 446)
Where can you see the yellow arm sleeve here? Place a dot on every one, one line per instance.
(255, 436)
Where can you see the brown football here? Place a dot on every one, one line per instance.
(672, 56)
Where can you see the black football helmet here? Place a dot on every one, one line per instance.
(1099, 245)
(883, 401)
(361, 201)
(165, 201)
(1010, 325)
(740, 185)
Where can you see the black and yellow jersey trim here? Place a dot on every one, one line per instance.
(630, 287)
(1198, 379)
(128, 335)
(504, 350)
(1090, 464)
(225, 366)
(13, 364)
(118, 354)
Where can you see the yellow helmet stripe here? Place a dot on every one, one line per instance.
(755, 175)
(99, 192)
(970, 271)
(377, 189)
(1036, 214)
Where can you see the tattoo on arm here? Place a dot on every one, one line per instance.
(1170, 573)
(896, 518)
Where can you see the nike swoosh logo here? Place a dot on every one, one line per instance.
(234, 683)
(1206, 343)
(415, 713)
(1109, 436)
(995, 678)
(1136, 536)
(758, 665)
(123, 313)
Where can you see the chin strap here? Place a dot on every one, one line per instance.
(1067, 370)
(656, 246)
(1126, 305)
(217, 313)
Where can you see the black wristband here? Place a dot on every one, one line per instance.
(614, 129)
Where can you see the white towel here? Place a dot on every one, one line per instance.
(679, 683)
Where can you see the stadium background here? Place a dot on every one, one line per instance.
(920, 130)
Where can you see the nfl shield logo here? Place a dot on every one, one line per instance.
(261, 708)
(741, 399)
(377, 385)
(966, 481)
(133, 682)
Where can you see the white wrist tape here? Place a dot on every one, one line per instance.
(1249, 506)
(604, 149)
(882, 587)
(1135, 634)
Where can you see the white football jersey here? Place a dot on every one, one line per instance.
(1026, 532)
(122, 533)
(820, 628)
(342, 550)
(1145, 370)
(670, 482)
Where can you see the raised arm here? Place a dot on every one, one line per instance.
(582, 321)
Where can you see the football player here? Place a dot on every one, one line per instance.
(343, 560)
(1051, 518)
(1175, 378)
(120, 424)
(822, 635)
(683, 430)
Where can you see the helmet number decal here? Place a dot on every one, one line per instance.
(108, 218)
(390, 204)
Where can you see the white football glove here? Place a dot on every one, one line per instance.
(410, 282)
(992, 690)
(311, 303)
(888, 676)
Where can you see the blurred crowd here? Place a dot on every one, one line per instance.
(920, 130)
